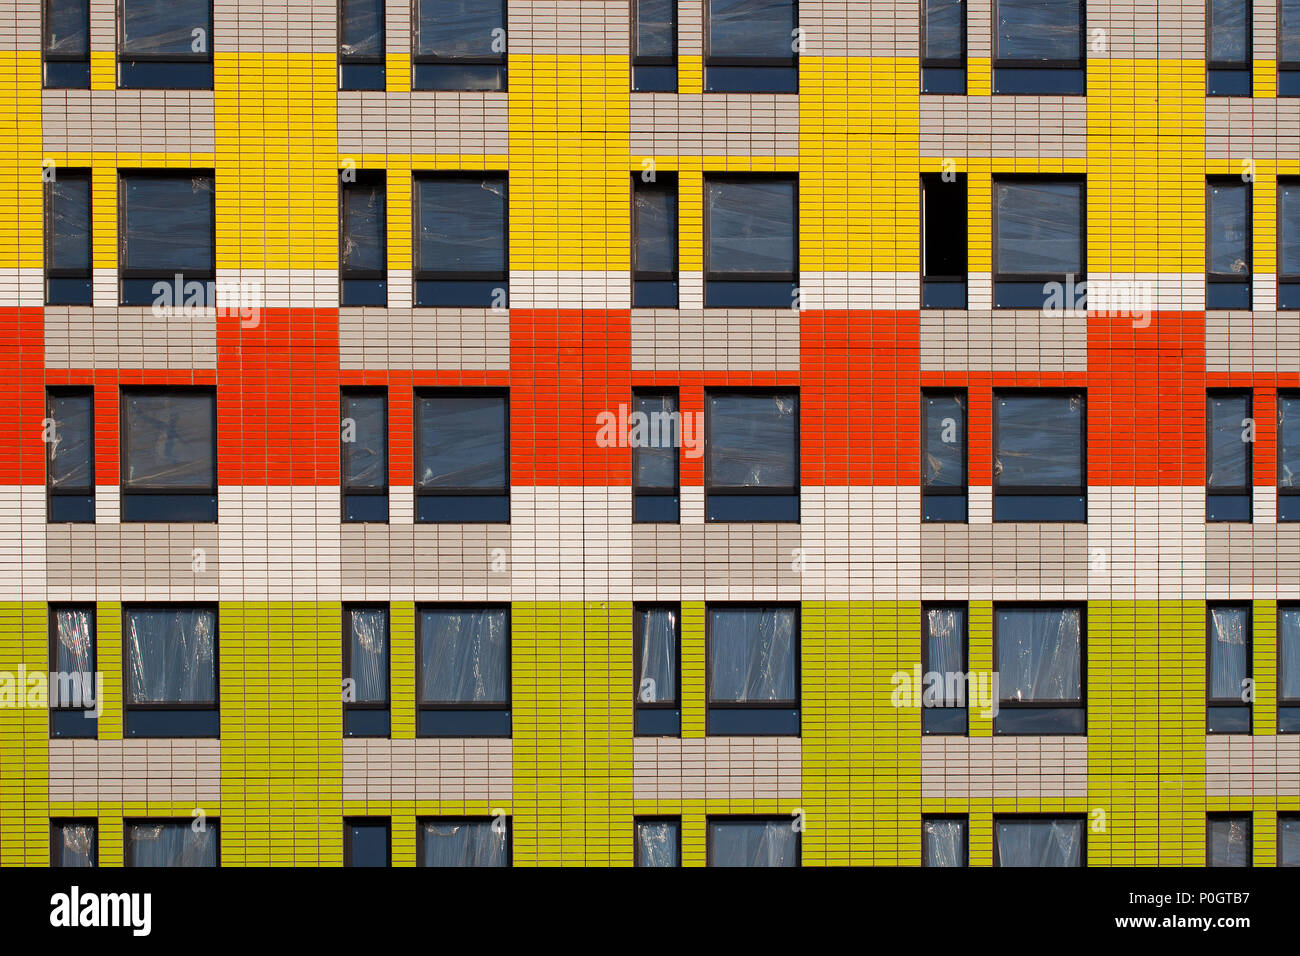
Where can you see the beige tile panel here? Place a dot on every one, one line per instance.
(962, 768)
(1241, 765)
(164, 771)
(427, 769)
(738, 768)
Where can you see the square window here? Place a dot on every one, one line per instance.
(164, 45)
(460, 45)
(751, 456)
(463, 671)
(1228, 839)
(170, 656)
(1040, 242)
(74, 843)
(1039, 443)
(461, 244)
(1039, 654)
(167, 239)
(1038, 47)
(944, 841)
(462, 457)
(751, 46)
(753, 670)
(658, 841)
(169, 455)
(751, 242)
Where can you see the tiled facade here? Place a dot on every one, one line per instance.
(279, 563)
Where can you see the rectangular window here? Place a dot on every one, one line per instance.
(66, 44)
(1228, 472)
(172, 843)
(366, 842)
(753, 841)
(462, 457)
(170, 656)
(366, 653)
(1228, 253)
(463, 671)
(654, 245)
(461, 243)
(945, 653)
(361, 45)
(1288, 839)
(656, 668)
(1038, 47)
(751, 46)
(1228, 48)
(363, 435)
(74, 843)
(73, 690)
(751, 461)
(1228, 839)
(67, 238)
(943, 455)
(656, 465)
(168, 238)
(944, 841)
(1039, 653)
(70, 455)
(943, 46)
(169, 455)
(1039, 841)
(1288, 48)
(1288, 240)
(654, 46)
(1228, 669)
(943, 252)
(753, 670)
(658, 841)
(1288, 456)
(1288, 669)
(460, 45)
(1039, 451)
(363, 232)
(1040, 242)
(752, 242)
(471, 841)
(164, 45)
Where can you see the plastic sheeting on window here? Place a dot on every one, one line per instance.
(471, 843)
(751, 28)
(656, 466)
(70, 208)
(1040, 842)
(170, 441)
(460, 28)
(654, 28)
(1288, 26)
(1288, 442)
(1039, 654)
(171, 656)
(1288, 222)
(1229, 212)
(1229, 465)
(1040, 441)
(945, 441)
(752, 655)
(753, 441)
(751, 226)
(656, 230)
(67, 28)
(365, 459)
(657, 842)
(944, 24)
(945, 842)
(361, 28)
(1229, 30)
(364, 219)
(462, 224)
(1288, 851)
(166, 26)
(1229, 841)
(1289, 654)
(74, 645)
(77, 844)
(658, 652)
(465, 656)
(1229, 652)
(168, 224)
(1039, 228)
(1039, 29)
(171, 844)
(369, 653)
(462, 443)
(69, 454)
(754, 843)
(946, 644)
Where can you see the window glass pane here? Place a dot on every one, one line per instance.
(168, 222)
(465, 656)
(368, 844)
(462, 225)
(1289, 841)
(754, 843)
(369, 650)
(67, 27)
(1039, 228)
(70, 223)
(1040, 842)
(165, 26)
(752, 655)
(657, 643)
(473, 843)
(946, 643)
(169, 440)
(945, 842)
(656, 230)
(751, 28)
(1289, 29)
(74, 641)
(1229, 210)
(1288, 216)
(1229, 453)
(171, 844)
(753, 441)
(1229, 841)
(657, 842)
(75, 844)
(462, 443)
(1040, 441)
(1039, 654)
(751, 226)
(460, 28)
(1229, 31)
(1038, 29)
(1289, 654)
(945, 441)
(69, 454)
(171, 655)
(1288, 442)
(656, 458)
(654, 28)
(364, 219)
(365, 460)
(361, 28)
(1229, 652)
(944, 24)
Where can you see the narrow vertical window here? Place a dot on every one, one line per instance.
(943, 455)
(655, 433)
(1288, 839)
(943, 46)
(363, 233)
(70, 455)
(656, 668)
(1228, 839)
(366, 654)
(363, 433)
(361, 45)
(944, 841)
(654, 46)
(67, 238)
(1288, 242)
(1228, 669)
(1229, 50)
(1228, 252)
(658, 841)
(1228, 445)
(1288, 48)
(654, 245)
(66, 44)
(1288, 456)
(944, 664)
(73, 689)
(943, 252)
(1288, 669)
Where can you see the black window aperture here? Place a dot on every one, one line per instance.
(169, 455)
(751, 248)
(1229, 49)
(70, 455)
(462, 457)
(170, 656)
(654, 248)
(463, 671)
(753, 670)
(656, 464)
(943, 46)
(73, 689)
(654, 46)
(1039, 471)
(943, 251)
(944, 653)
(460, 45)
(1288, 669)
(367, 842)
(1228, 839)
(363, 440)
(1288, 241)
(1038, 841)
(74, 843)
(455, 842)
(944, 841)
(1228, 451)
(1038, 47)
(361, 45)
(363, 233)
(751, 456)
(753, 841)
(460, 243)
(1039, 239)
(66, 44)
(943, 455)
(153, 843)
(165, 44)
(167, 240)
(366, 655)
(656, 670)
(1039, 654)
(67, 238)
(1228, 255)
(1228, 669)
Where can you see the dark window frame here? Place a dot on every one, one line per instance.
(653, 819)
(376, 822)
(1248, 489)
(663, 182)
(124, 448)
(1283, 816)
(459, 392)
(1284, 491)
(795, 703)
(48, 57)
(1080, 818)
(165, 706)
(1038, 278)
(1227, 816)
(1288, 291)
(124, 268)
(499, 60)
(764, 818)
(639, 59)
(355, 59)
(348, 608)
(1235, 702)
(711, 275)
(52, 618)
(1230, 278)
(964, 607)
(421, 274)
(1038, 490)
(1046, 704)
(56, 827)
(365, 179)
(639, 610)
(64, 491)
(963, 818)
(507, 707)
(79, 173)
(346, 489)
(752, 490)
(1078, 63)
(128, 855)
(1244, 64)
(1282, 607)
(437, 820)
(949, 61)
(1289, 68)
(753, 62)
(946, 491)
(938, 281)
(639, 491)
(179, 59)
